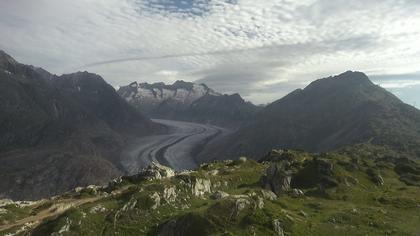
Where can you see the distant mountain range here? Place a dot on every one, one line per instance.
(328, 114)
(60, 132)
(189, 102)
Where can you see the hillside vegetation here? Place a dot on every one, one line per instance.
(359, 190)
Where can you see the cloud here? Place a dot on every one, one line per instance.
(262, 49)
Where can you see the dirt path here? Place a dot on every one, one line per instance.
(55, 210)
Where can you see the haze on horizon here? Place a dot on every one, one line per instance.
(260, 49)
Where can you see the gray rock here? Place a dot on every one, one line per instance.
(277, 227)
(277, 179)
(153, 172)
(169, 194)
(240, 204)
(375, 177)
(200, 187)
(156, 201)
(267, 194)
(302, 213)
(3, 211)
(297, 193)
(242, 159)
(260, 203)
(220, 195)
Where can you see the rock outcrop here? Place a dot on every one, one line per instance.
(277, 226)
(277, 178)
(154, 171)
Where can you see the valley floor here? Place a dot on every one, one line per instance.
(176, 149)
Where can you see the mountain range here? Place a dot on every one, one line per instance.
(60, 132)
(188, 101)
(339, 157)
(328, 114)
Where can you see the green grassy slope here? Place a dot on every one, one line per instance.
(356, 191)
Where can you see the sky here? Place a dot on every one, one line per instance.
(262, 49)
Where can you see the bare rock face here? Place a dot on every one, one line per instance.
(152, 172)
(201, 187)
(60, 132)
(277, 179)
(169, 194)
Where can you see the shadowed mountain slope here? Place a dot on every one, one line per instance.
(60, 132)
(328, 114)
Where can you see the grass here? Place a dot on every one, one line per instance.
(355, 206)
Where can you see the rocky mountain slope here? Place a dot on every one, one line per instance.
(188, 102)
(328, 114)
(59, 132)
(360, 190)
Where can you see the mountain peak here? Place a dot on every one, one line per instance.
(346, 80)
(182, 84)
(353, 75)
(6, 59)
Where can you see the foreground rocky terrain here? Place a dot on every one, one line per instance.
(359, 190)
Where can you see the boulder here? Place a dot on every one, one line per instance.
(156, 200)
(375, 176)
(297, 193)
(260, 202)
(200, 187)
(277, 227)
(153, 172)
(169, 194)
(242, 159)
(241, 204)
(277, 179)
(269, 195)
(219, 195)
(5, 202)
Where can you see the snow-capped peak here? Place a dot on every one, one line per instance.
(181, 92)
